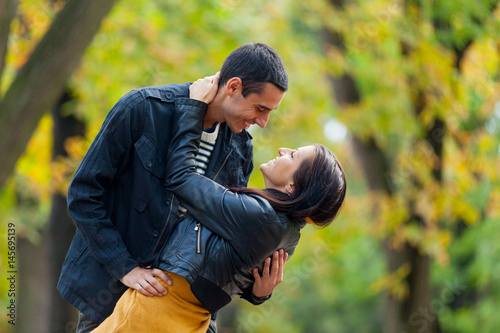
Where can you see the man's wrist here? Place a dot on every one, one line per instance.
(263, 298)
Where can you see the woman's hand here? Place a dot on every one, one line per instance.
(265, 284)
(204, 90)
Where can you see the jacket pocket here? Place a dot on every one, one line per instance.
(148, 153)
(80, 255)
(189, 250)
(76, 250)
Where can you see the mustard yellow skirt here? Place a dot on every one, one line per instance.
(178, 311)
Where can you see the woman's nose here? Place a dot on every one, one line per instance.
(284, 151)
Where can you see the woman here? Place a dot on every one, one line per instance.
(212, 253)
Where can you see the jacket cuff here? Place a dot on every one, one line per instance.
(122, 268)
(249, 296)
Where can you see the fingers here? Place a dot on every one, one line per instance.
(143, 280)
(162, 275)
(210, 79)
(265, 271)
(216, 78)
(276, 264)
(154, 286)
(148, 286)
(272, 275)
(141, 290)
(282, 260)
(205, 89)
(285, 258)
(256, 274)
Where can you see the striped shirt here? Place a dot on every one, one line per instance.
(207, 144)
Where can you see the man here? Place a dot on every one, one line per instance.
(118, 198)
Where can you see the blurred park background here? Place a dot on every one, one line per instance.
(405, 92)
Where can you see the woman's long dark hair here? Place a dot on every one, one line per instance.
(319, 190)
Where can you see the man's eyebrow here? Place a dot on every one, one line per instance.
(265, 107)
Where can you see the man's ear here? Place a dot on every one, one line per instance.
(233, 86)
(290, 188)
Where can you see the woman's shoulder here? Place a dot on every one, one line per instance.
(250, 205)
(259, 206)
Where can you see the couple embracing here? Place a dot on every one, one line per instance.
(167, 232)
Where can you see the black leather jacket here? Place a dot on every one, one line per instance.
(225, 234)
(119, 199)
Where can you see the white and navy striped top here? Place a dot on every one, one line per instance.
(207, 144)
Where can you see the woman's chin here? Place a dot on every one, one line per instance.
(267, 165)
(263, 168)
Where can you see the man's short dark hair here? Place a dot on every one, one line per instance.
(255, 64)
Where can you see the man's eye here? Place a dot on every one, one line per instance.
(291, 155)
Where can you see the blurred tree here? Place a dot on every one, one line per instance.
(33, 83)
(401, 84)
(7, 12)
(61, 229)
(42, 78)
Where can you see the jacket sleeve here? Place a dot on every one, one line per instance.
(107, 155)
(230, 215)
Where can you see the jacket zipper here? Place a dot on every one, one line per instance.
(197, 228)
(198, 238)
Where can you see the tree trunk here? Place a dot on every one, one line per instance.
(42, 79)
(32, 292)
(7, 12)
(413, 314)
(62, 316)
(41, 308)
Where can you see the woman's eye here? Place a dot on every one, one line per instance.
(291, 155)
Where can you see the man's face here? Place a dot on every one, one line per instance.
(241, 112)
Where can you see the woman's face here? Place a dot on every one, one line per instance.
(278, 173)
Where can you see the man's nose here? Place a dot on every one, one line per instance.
(263, 119)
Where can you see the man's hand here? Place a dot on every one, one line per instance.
(204, 90)
(265, 284)
(143, 280)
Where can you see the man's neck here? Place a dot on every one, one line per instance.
(214, 114)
